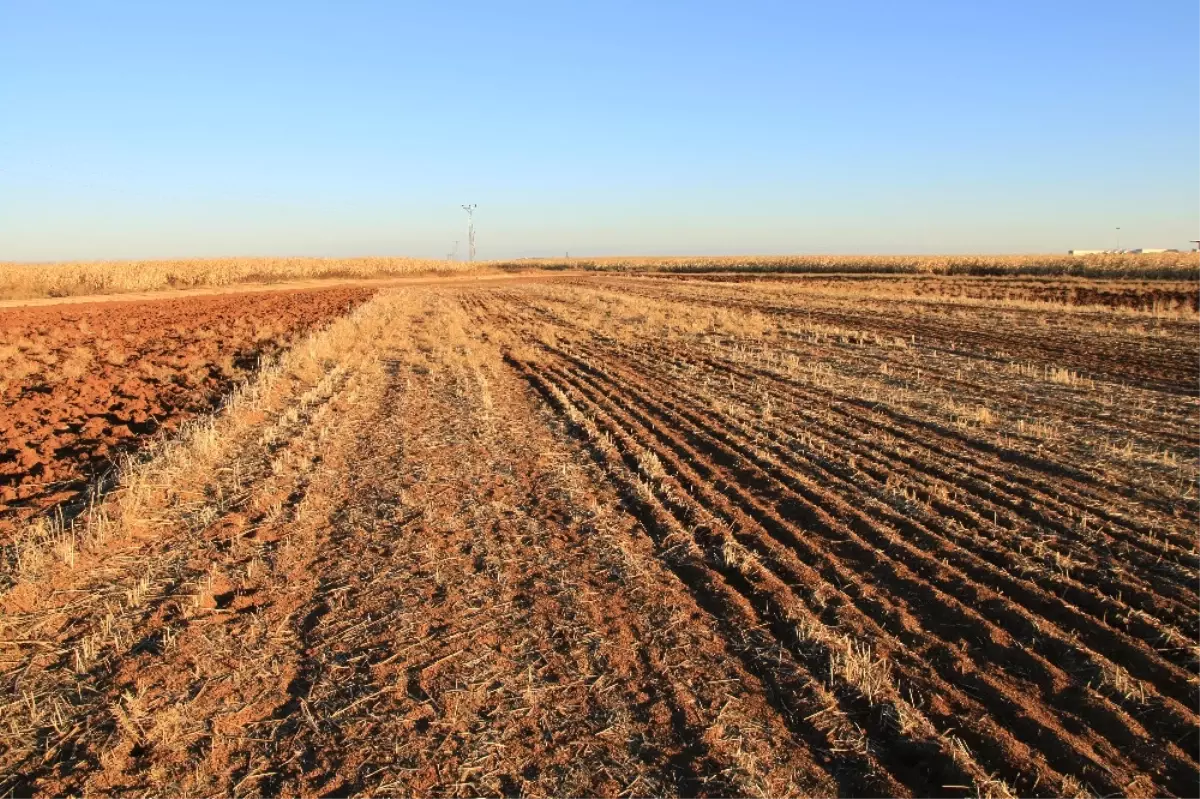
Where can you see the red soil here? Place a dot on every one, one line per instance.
(82, 383)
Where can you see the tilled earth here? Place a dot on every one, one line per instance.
(628, 536)
(81, 384)
(1142, 295)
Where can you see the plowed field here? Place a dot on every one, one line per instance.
(633, 536)
(81, 384)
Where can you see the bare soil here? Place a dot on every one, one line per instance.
(1142, 295)
(82, 384)
(621, 536)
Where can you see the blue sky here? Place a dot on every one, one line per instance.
(154, 129)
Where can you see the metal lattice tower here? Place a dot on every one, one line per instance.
(470, 209)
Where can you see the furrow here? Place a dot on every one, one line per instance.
(1105, 719)
(987, 463)
(1093, 589)
(1011, 709)
(745, 609)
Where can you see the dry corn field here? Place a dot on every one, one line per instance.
(644, 535)
(72, 278)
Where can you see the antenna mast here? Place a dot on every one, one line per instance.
(470, 209)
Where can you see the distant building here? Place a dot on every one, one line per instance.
(1086, 252)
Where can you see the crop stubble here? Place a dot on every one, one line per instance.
(647, 536)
